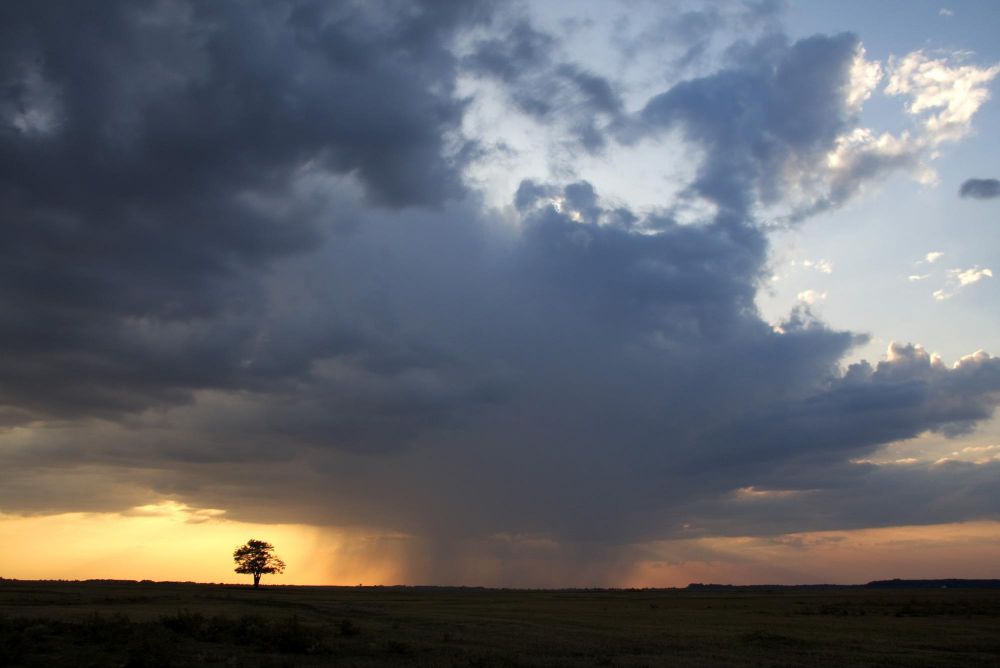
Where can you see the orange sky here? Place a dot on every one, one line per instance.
(169, 541)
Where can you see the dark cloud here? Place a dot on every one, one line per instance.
(581, 379)
(152, 156)
(774, 103)
(545, 86)
(855, 496)
(688, 34)
(980, 188)
(898, 399)
(240, 268)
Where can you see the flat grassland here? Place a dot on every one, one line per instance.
(178, 624)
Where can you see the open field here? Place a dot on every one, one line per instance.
(171, 624)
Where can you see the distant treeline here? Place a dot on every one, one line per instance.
(951, 583)
(934, 584)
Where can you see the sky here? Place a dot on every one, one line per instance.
(622, 294)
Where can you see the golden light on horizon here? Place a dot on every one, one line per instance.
(168, 541)
(172, 541)
(959, 550)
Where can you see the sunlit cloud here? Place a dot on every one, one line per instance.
(978, 454)
(864, 79)
(970, 276)
(751, 493)
(176, 510)
(958, 279)
(822, 266)
(811, 296)
(944, 95)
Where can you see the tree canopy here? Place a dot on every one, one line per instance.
(257, 558)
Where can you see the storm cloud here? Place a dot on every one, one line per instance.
(242, 267)
(151, 155)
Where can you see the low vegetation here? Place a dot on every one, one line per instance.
(175, 624)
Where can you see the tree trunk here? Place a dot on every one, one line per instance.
(256, 579)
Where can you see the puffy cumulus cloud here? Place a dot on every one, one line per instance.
(798, 159)
(980, 188)
(775, 106)
(865, 76)
(802, 157)
(942, 95)
(242, 272)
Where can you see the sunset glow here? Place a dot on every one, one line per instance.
(172, 546)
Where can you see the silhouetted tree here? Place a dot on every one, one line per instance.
(256, 558)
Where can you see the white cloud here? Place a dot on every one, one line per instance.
(823, 266)
(961, 278)
(854, 149)
(970, 276)
(942, 96)
(811, 296)
(946, 97)
(865, 77)
(944, 11)
(917, 277)
(902, 352)
(933, 256)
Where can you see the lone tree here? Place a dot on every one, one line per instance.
(256, 558)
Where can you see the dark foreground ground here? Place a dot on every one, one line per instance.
(161, 624)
